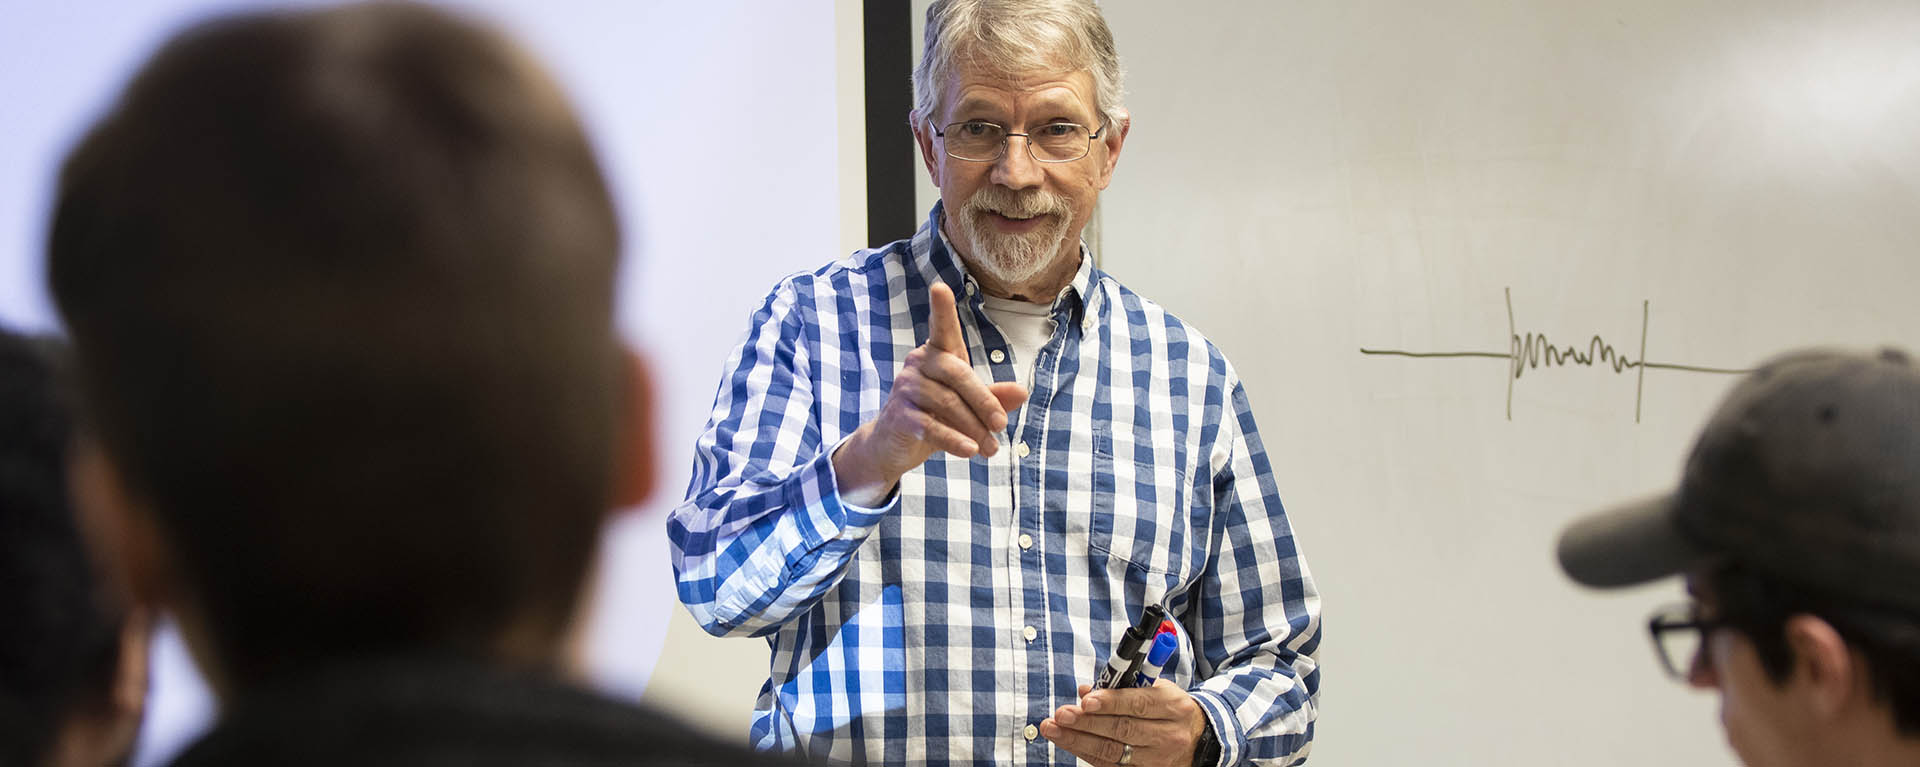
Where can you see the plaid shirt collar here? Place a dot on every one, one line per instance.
(935, 258)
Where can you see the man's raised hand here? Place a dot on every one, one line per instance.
(936, 404)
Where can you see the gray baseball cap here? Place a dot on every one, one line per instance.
(1809, 472)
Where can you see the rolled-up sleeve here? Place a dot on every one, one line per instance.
(763, 532)
(1258, 611)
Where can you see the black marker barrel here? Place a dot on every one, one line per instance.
(1127, 656)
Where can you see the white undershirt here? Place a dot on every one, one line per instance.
(1026, 326)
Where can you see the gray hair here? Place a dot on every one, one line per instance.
(1012, 37)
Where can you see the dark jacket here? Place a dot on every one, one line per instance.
(450, 713)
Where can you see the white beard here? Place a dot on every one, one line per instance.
(1013, 259)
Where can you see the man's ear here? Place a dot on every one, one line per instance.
(1823, 662)
(120, 532)
(923, 137)
(1113, 140)
(633, 475)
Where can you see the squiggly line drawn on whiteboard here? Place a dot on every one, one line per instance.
(1533, 350)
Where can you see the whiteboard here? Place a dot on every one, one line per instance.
(1695, 183)
(676, 97)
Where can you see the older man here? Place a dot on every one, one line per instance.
(942, 513)
(1797, 527)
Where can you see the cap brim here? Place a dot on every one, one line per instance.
(1627, 545)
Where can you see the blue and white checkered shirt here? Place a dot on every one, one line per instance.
(944, 626)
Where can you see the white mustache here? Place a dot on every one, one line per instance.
(1011, 204)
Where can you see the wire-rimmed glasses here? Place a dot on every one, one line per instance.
(982, 141)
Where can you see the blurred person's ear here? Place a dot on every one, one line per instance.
(633, 479)
(103, 731)
(121, 536)
(130, 551)
(633, 475)
(131, 677)
(1834, 679)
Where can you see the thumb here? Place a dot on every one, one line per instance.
(1011, 395)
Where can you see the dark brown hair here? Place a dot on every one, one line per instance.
(1758, 605)
(61, 649)
(340, 287)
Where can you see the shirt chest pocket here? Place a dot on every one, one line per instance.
(1131, 508)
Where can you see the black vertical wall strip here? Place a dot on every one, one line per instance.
(887, 28)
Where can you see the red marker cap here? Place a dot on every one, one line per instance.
(1166, 627)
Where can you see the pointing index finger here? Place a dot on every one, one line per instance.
(943, 323)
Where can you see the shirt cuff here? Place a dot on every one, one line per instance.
(856, 514)
(1226, 728)
(827, 528)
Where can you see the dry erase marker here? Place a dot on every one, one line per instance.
(1164, 644)
(1127, 656)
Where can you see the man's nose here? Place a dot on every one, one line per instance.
(1016, 168)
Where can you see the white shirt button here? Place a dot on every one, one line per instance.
(969, 287)
(1026, 542)
(1031, 732)
(997, 356)
(1022, 450)
(1030, 633)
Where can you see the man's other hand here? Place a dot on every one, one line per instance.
(937, 403)
(1161, 723)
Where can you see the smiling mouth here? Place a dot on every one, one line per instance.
(1015, 225)
(1009, 218)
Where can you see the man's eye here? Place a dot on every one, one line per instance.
(976, 130)
(1058, 130)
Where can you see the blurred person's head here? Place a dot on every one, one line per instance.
(72, 662)
(340, 289)
(1806, 676)
(1797, 528)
